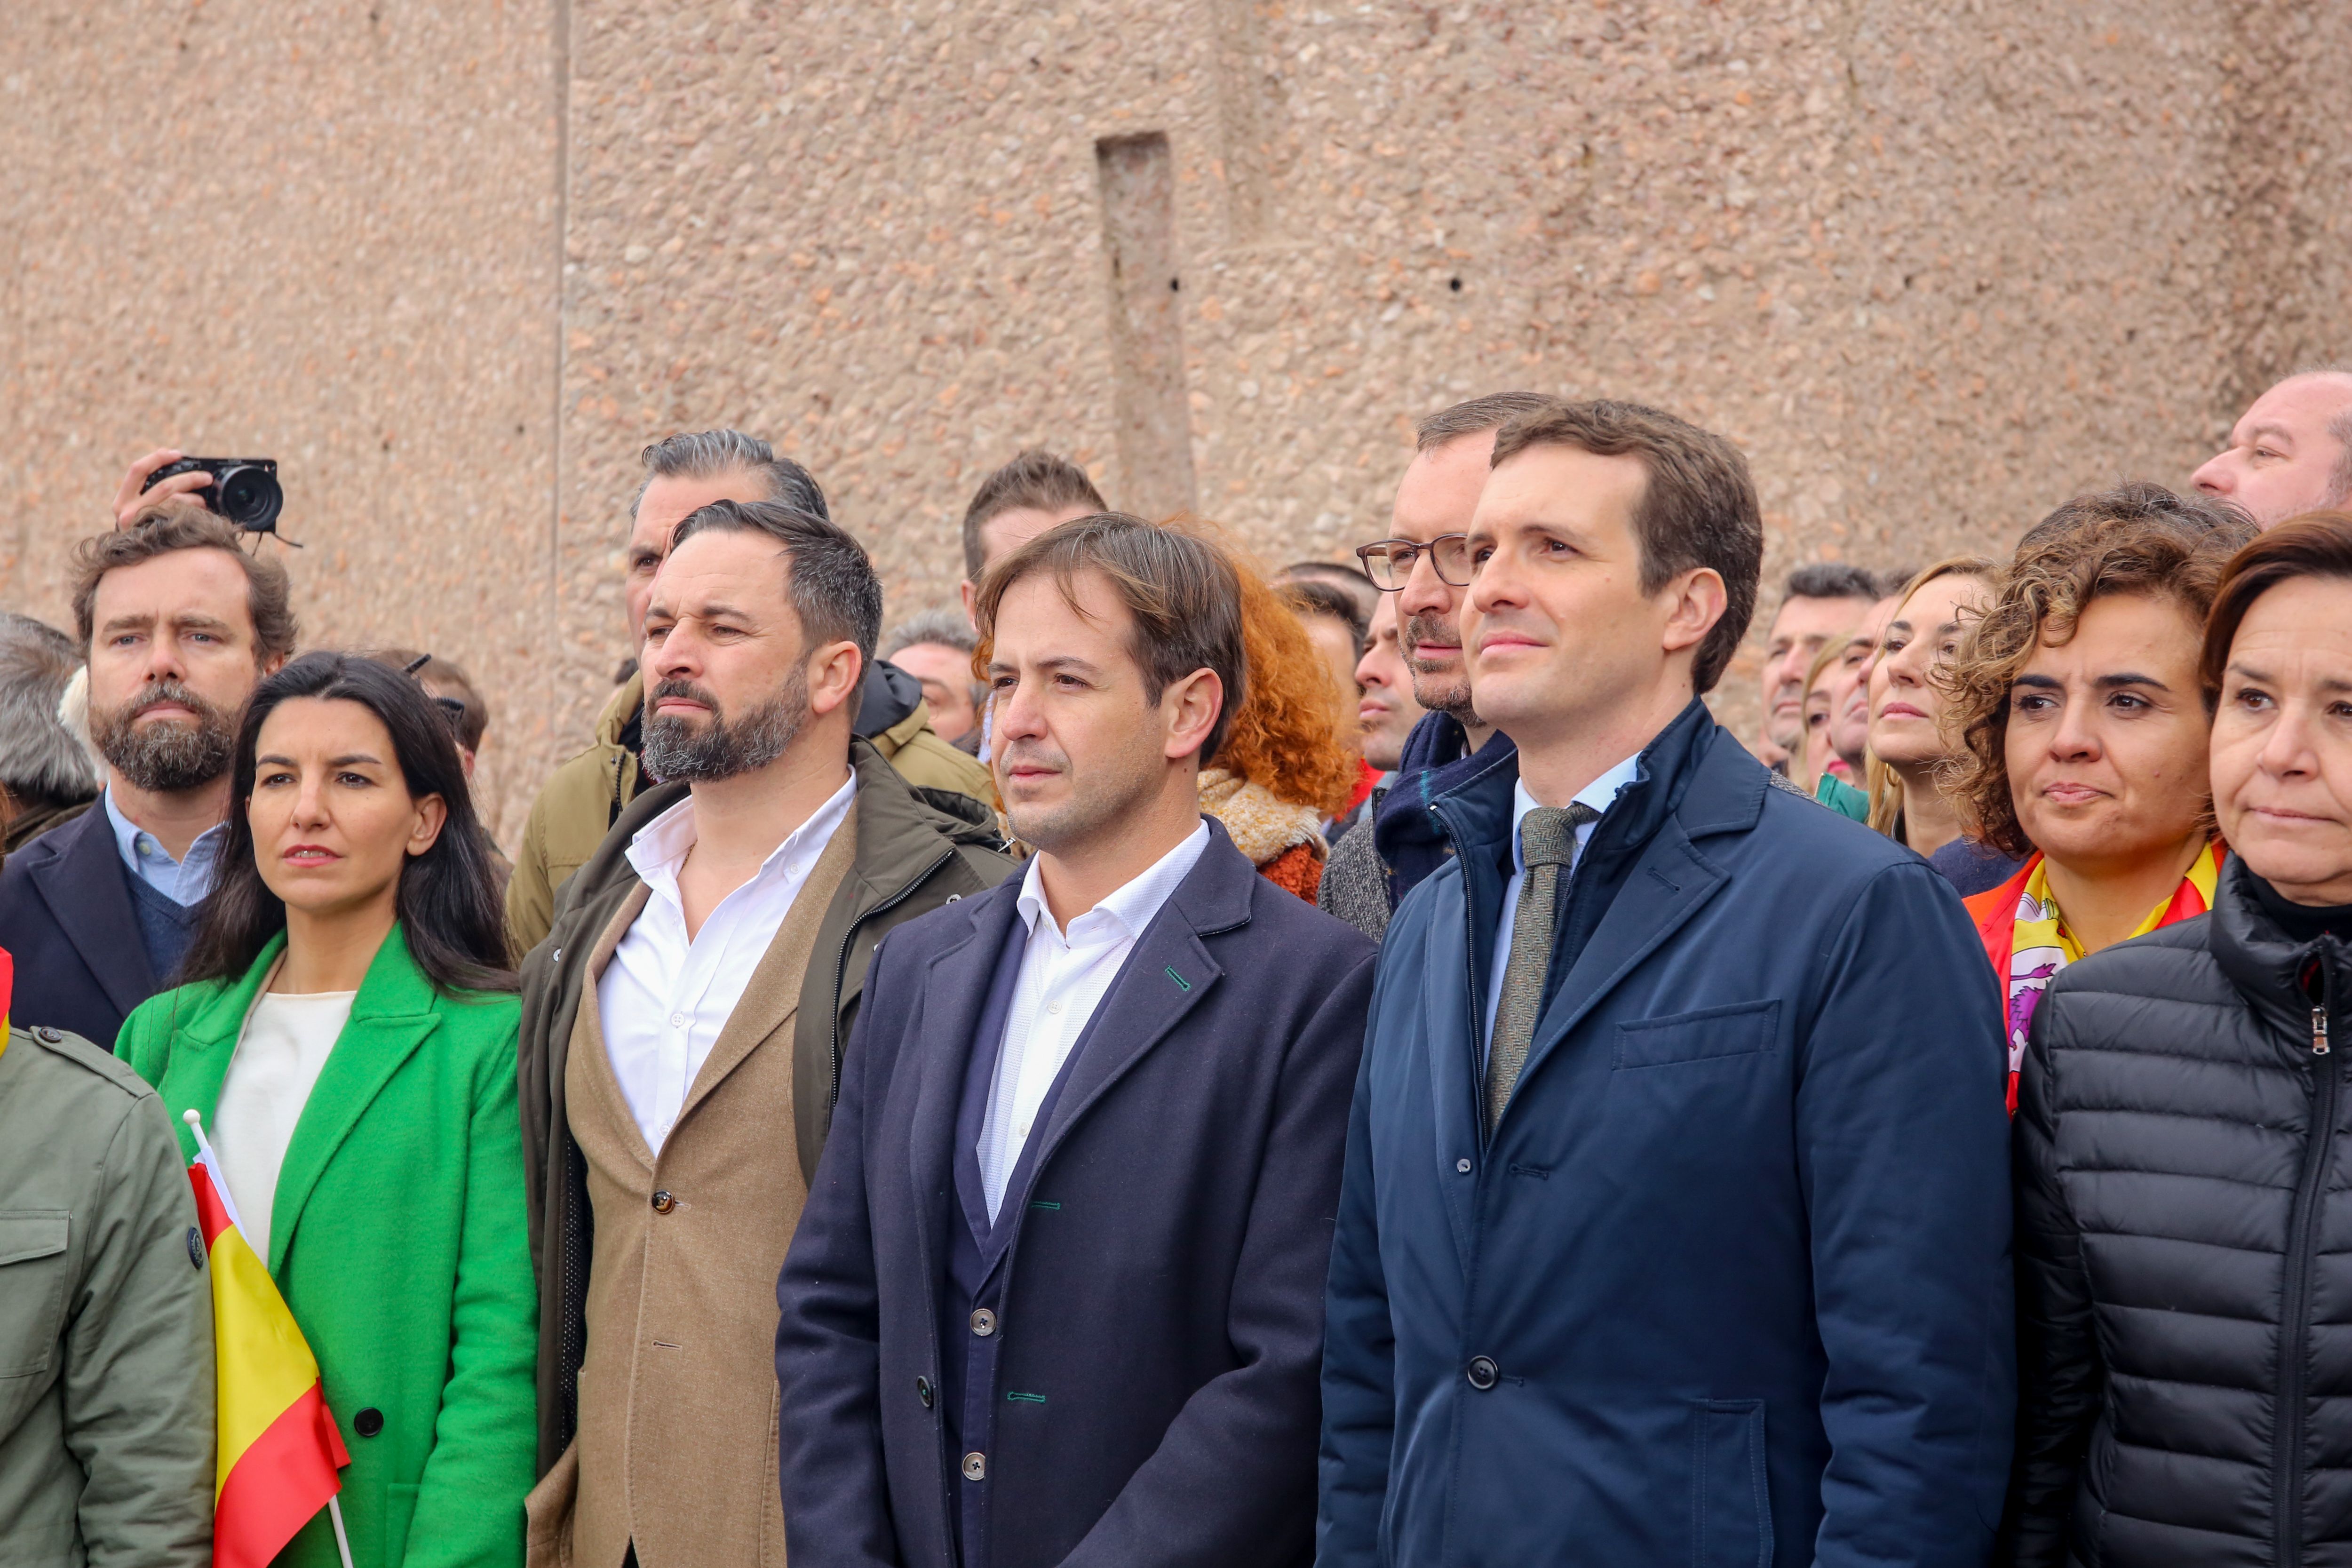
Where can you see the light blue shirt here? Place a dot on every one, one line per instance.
(1600, 795)
(185, 883)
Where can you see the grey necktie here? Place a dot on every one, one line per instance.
(1547, 845)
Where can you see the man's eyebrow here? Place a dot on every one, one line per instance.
(2128, 677)
(119, 623)
(2279, 432)
(2038, 682)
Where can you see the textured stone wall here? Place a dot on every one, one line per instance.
(1936, 263)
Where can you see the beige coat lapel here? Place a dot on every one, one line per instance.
(773, 992)
(588, 1029)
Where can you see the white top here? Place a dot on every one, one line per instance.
(663, 999)
(286, 1041)
(1063, 980)
(1600, 795)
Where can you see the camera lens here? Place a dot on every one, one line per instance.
(250, 499)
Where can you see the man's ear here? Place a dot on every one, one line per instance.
(1695, 600)
(270, 665)
(1190, 708)
(836, 672)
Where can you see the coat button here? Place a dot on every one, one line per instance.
(1462, 1166)
(1483, 1372)
(923, 1391)
(46, 1035)
(369, 1422)
(664, 1203)
(983, 1322)
(975, 1467)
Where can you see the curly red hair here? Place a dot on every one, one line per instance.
(1285, 735)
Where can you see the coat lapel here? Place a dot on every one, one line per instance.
(955, 994)
(83, 888)
(393, 1013)
(1670, 881)
(773, 995)
(208, 1039)
(1169, 973)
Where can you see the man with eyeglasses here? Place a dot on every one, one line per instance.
(1422, 563)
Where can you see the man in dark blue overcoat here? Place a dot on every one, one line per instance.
(1675, 1222)
(1057, 1294)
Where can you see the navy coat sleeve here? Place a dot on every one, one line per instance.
(830, 1468)
(1247, 1434)
(1359, 1359)
(1902, 1144)
(2060, 1377)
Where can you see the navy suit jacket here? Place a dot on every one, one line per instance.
(67, 920)
(1727, 1285)
(1160, 1295)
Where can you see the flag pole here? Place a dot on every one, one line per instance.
(342, 1542)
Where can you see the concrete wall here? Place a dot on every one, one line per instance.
(1936, 263)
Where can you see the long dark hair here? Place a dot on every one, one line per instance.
(447, 899)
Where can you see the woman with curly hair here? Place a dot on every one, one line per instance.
(2083, 720)
(1284, 769)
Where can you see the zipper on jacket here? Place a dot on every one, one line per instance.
(2302, 1263)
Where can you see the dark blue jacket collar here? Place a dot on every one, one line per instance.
(1405, 834)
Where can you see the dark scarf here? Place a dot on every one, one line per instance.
(1410, 843)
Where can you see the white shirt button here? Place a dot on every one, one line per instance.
(1053, 1006)
(678, 1020)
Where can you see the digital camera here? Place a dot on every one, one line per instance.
(243, 489)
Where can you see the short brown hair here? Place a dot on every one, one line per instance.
(1182, 593)
(431, 670)
(2316, 544)
(1697, 509)
(2110, 547)
(1490, 412)
(168, 526)
(1035, 481)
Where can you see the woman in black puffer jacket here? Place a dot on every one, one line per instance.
(2184, 1146)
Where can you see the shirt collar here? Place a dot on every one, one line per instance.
(659, 848)
(1600, 795)
(139, 848)
(1129, 908)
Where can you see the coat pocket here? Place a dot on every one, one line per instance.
(1731, 1506)
(33, 1282)
(1708, 1034)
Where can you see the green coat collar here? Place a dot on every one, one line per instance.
(395, 1010)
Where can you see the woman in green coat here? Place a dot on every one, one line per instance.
(348, 1036)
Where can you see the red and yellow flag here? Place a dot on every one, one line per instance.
(280, 1450)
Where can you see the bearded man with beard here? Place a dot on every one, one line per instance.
(682, 1035)
(179, 623)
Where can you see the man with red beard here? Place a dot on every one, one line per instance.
(179, 623)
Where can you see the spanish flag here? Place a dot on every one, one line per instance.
(280, 1450)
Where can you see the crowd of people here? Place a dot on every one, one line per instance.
(1164, 1061)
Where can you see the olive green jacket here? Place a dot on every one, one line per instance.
(585, 796)
(106, 1320)
(398, 1239)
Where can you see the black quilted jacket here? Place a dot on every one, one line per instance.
(2184, 1239)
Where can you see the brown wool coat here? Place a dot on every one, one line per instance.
(676, 1440)
(906, 859)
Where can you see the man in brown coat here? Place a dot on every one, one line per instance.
(682, 1032)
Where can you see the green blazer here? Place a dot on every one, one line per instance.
(399, 1242)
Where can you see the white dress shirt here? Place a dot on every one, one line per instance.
(185, 883)
(1600, 795)
(663, 999)
(1063, 979)
(285, 1043)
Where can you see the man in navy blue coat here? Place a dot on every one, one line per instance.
(1058, 1293)
(1675, 1222)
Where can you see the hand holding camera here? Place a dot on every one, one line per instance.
(243, 490)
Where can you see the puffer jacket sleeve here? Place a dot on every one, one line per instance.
(2059, 1375)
